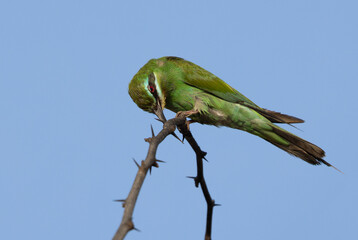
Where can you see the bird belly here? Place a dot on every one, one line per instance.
(222, 113)
(215, 111)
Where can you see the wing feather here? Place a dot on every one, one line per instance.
(198, 77)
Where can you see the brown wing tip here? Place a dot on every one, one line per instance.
(298, 120)
(277, 117)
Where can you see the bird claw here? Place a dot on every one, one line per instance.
(187, 125)
(186, 113)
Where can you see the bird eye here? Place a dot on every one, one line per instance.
(151, 83)
(151, 89)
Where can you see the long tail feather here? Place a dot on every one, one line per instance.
(299, 147)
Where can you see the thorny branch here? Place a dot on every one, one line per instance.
(199, 179)
(151, 161)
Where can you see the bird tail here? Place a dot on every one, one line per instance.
(295, 145)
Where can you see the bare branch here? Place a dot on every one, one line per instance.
(151, 161)
(199, 179)
(129, 203)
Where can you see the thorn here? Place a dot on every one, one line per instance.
(176, 136)
(183, 139)
(136, 229)
(215, 204)
(136, 163)
(151, 128)
(196, 180)
(148, 140)
(159, 120)
(123, 201)
(203, 154)
(155, 164)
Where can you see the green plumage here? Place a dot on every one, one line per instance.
(181, 86)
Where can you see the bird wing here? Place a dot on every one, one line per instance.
(198, 77)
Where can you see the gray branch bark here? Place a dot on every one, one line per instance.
(151, 161)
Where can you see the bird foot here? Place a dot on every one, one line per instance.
(186, 113)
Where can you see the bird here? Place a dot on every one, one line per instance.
(188, 89)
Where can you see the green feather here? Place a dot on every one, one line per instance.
(184, 86)
(200, 78)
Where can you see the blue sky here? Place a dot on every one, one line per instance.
(69, 129)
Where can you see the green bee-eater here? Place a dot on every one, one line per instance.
(182, 86)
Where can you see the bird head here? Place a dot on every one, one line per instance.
(146, 91)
